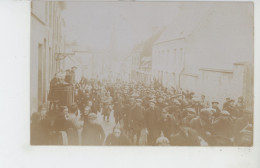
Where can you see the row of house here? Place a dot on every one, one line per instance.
(209, 54)
(47, 44)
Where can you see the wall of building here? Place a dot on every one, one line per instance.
(219, 84)
(45, 34)
(223, 36)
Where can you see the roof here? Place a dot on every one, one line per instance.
(183, 25)
(148, 44)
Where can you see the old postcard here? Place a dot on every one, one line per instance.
(142, 73)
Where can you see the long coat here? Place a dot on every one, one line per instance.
(153, 124)
(92, 134)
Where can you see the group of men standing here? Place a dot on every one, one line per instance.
(152, 115)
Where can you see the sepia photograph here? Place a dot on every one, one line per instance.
(141, 73)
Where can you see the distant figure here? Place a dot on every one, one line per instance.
(73, 75)
(240, 106)
(215, 106)
(203, 102)
(226, 103)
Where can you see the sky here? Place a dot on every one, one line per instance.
(93, 23)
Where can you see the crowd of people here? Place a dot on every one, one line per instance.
(143, 115)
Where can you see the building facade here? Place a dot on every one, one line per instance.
(206, 57)
(47, 39)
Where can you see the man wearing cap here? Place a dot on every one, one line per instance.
(92, 133)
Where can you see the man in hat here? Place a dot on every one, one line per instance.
(188, 115)
(223, 125)
(215, 106)
(92, 133)
(68, 76)
(73, 75)
(196, 104)
(152, 122)
(240, 106)
(202, 125)
(203, 102)
(107, 107)
(160, 104)
(52, 97)
(117, 138)
(243, 123)
(39, 126)
(137, 120)
(226, 103)
(186, 136)
(127, 112)
(167, 123)
(230, 107)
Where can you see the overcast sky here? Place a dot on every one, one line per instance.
(92, 23)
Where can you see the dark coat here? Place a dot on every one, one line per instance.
(138, 118)
(152, 117)
(92, 134)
